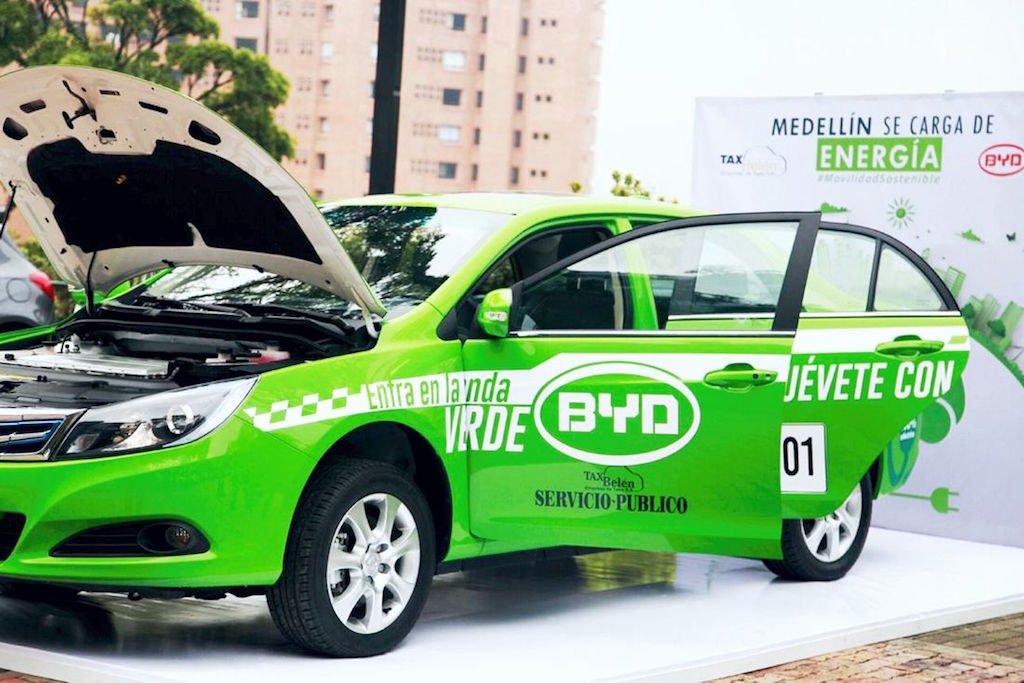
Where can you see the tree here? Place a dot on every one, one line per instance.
(171, 42)
(626, 185)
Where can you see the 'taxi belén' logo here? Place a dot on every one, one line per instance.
(616, 413)
(902, 155)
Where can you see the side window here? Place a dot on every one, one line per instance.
(741, 268)
(530, 257)
(902, 287)
(840, 274)
(686, 278)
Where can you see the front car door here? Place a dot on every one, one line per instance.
(636, 402)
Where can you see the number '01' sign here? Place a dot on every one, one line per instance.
(802, 458)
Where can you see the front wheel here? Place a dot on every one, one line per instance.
(358, 564)
(826, 548)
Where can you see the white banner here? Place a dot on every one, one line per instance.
(942, 173)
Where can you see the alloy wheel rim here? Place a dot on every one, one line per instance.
(829, 538)
(373, 563)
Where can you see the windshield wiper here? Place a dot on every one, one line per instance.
(333, 325)
(294, 312)
(160, 304)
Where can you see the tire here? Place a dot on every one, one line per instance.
(378, 573)
(834, 555)
(37, 592)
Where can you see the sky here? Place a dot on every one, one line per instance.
(659, 55)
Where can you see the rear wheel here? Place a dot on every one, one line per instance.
(824, 549)
(359, 562)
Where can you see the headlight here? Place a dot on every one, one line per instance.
(170, 418)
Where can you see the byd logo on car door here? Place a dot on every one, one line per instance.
(616, 413)
(1002, 160)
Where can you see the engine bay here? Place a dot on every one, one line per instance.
(120, 354)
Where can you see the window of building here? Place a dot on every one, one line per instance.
(543, 22)
(479, 98)
(483, 24)
(537, 98)
(513, 175)
(281, 46)
(321, 161)
(449, 135)
(554, 22)
(366, 166)
(373, 85)
(482, 61)
(524, 26)
(328, 12)
(522, 64)
(283, 7)
(551, 60)
(326, 51)
(547, 98)
(246, 44)
(324, 124)
(373, 53)
(369, 127)
(453, 60)
(457, 21)
(446, 170)
(376, 12)
(247, 9)
(543, 174)
(474, 172)
(533, 173)
(517, 138)
(325, 87)
(476, 136)
(306, 46)
(318, 193)
(547, 136)
(451, 97)
(519, 101)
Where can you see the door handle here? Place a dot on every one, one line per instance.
(739, 376)
(909, 346)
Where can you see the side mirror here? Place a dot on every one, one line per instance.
(493, 313)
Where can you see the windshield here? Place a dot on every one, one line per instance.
(403, 252)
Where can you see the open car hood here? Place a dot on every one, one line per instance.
(118, 177)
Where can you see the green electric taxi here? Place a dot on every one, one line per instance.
(330, 405)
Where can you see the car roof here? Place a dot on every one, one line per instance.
(518, 203)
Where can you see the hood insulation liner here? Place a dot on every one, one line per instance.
(176, 197)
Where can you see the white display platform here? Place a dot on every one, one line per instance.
(621, 616)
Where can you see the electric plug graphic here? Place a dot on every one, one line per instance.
(940, 499)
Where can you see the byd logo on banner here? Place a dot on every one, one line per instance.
(1002, 160)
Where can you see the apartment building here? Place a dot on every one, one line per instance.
(496, 94)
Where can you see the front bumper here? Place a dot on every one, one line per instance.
(238, 486)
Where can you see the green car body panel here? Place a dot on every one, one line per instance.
(486, 410)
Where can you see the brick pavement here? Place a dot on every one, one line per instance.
(986, 651)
